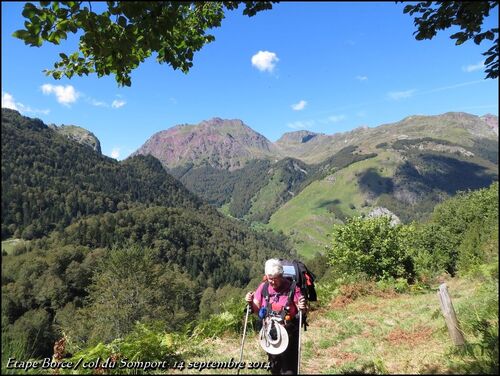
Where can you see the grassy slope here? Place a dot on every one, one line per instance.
(306, 217)
(391, 334)
(453, 127)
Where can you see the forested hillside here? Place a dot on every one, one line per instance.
(105, 244)
(377, 310)
(261, 187)
(48, 181)
(310, 181)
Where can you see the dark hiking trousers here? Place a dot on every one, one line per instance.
(286, 362)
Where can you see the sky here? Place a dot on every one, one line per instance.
(326, 67)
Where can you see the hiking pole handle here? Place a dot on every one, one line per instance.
(244, 333)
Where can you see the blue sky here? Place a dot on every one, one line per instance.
(323, 66)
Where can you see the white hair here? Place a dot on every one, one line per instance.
(273, 267)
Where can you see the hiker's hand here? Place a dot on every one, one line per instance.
(249, 297)
(302, 304)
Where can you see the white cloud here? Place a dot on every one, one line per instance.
(8, 101)
(361, 78)
(64, 94)
(397, 95)
(450, 87)
(115, 153)
(301, 124)
(265, 61)
(95, 102)
(117, 103)
(473, 67)
(336, 118)
(299, 106)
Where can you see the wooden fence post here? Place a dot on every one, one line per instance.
(450, 316)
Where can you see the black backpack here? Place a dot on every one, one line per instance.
(298, 272)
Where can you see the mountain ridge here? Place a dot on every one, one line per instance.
(230, 143)
(220, 143)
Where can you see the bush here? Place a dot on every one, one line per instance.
(461, 235)
(231, 319)
(478, 319)
(434, 251)
(372, 246)
(144, 343)
(400, 285)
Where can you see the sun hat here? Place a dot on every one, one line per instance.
(273, 337)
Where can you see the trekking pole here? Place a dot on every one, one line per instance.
(243, 339)
(298, 357)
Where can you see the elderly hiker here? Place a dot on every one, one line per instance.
(277, 301)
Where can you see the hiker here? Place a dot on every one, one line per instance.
(279, 313)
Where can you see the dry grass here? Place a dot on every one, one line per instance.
(383, 333)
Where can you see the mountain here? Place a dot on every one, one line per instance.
(415, 164)
(78, 134)
(49, 180)
(308, 181)
(456, 127)
(93, 234)
(223, 144)
(294, 139)
(53, 186)
(492, 121)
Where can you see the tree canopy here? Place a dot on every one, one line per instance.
(117, 40)
(432, 16)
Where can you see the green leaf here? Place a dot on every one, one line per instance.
(21, 34)
(29, 11)
(122, 21)
(60, 34)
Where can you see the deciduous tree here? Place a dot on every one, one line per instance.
(117, 40)
(432, 16)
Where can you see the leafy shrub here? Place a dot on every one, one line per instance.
(400, 285)
(144, 342)
(461, 234)
(231, 319)
(478, 319)
(434, 251)
(371, 246)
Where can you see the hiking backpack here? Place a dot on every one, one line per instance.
(304, 279)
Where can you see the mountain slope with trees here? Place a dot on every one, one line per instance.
(106, 243)
(48, 181)
(314, 180)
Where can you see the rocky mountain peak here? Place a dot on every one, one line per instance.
(301, 137)
(220, 143)
(491, 121)
(78, 134)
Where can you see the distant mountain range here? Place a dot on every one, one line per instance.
(306, 181)
(300, 185)
(229, 144)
